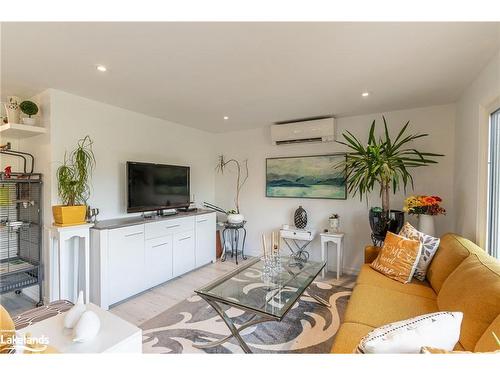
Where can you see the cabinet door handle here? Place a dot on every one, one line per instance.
(133, 234)
(184, 238)
(202, 221)
(173, 226)
(161, 244)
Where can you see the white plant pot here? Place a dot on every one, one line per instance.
(426, 224)
(29, 120)
(335, 225)
(235, 218)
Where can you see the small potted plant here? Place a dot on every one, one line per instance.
(334, 220)
(28, 108)
(73, 184)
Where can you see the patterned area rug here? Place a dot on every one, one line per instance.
(307, 328)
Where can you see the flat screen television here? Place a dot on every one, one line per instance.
(153, 187)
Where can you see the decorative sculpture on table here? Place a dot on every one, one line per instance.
(75, 313)
(271, 258)
(85, 323)
(300, 218)
(87, 327)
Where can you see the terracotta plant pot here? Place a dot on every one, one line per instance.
(69, 215)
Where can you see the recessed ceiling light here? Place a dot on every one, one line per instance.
(101, 68)
(365, 94)
(226, 118)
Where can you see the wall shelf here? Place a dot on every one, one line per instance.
(21, 130)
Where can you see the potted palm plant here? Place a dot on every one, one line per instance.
(383, 162)
(73, 184)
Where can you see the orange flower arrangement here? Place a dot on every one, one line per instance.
(424, 205)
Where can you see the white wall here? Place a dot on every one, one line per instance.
(471, 144)
(119, 136)
(266, 214)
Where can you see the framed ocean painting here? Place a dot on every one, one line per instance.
(306, 177)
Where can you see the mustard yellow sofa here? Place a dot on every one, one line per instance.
(461, 277)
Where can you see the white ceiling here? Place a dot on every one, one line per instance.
(255, 73)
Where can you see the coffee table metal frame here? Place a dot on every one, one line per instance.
(257, 316)
(300, 254)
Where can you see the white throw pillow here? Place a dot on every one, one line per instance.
(430, 246)
(438, 330)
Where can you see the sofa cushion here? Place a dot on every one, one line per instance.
(474, 289)
(487, 342)
(375, 306)
(439, 329)
(398, 258)
(430, 245)
(369, 276)
(452, 251)
(348, 337)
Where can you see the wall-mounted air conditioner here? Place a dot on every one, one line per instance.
(319, 130)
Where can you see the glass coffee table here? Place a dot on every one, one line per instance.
(265, 297)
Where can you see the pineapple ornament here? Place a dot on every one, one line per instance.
(300, 218)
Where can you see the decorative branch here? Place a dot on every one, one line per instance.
(240, 181)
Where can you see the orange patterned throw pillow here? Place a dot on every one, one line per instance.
(398, 258)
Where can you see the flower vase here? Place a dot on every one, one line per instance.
(426, 224)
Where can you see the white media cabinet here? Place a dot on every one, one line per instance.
(131, 255)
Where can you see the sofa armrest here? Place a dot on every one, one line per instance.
(371, 252)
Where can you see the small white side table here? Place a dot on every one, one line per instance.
(115, 335)
(337, 239)
(59, 237)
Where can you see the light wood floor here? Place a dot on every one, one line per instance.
(16, 304)
(150, 303)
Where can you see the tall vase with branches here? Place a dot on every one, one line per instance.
(382, 162)
(241, 177)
